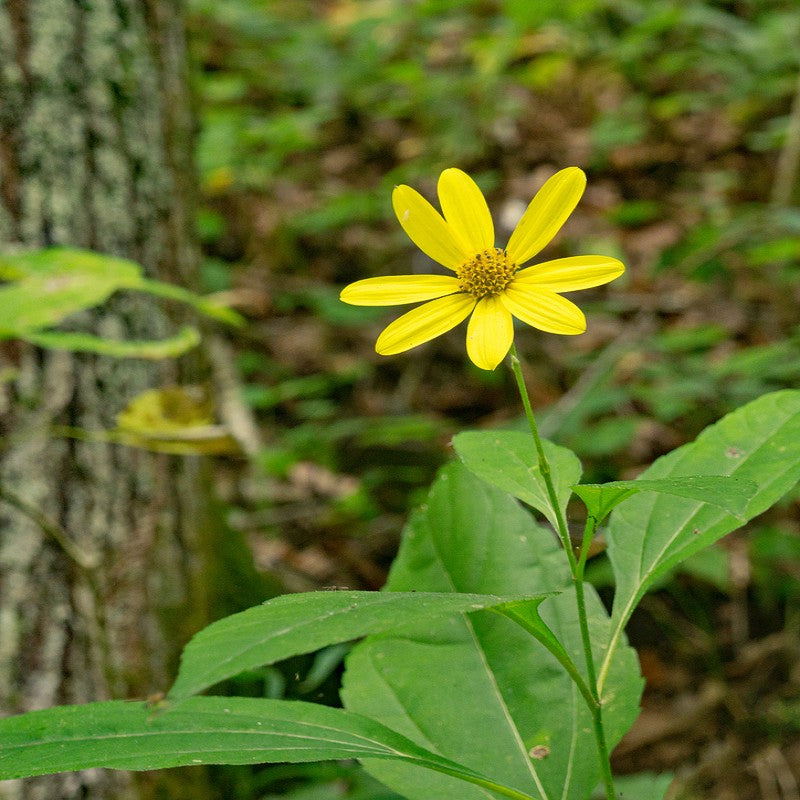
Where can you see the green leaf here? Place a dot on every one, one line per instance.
(651, 533)
(56, 262)
(730, 494)
(202, 730)
(42, 301)
(508, 460)
(526, 613)
(51, 284)
(478, 688)
(302, 623)
(184, 340)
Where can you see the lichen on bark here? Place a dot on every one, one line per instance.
(95, 151)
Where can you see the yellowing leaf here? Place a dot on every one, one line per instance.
(176, 419)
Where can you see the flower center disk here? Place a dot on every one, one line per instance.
(488, 273)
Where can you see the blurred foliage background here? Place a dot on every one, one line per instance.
(686, 116)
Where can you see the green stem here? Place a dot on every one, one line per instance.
(544, 635)
(544, 464)
(586, 543)
(576, 569)
(597, 709)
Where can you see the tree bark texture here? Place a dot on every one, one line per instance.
(99, 543)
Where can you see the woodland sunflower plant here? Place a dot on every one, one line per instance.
(487, 667)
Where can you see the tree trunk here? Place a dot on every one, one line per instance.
(95, 152)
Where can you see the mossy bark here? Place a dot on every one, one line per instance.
(95, 151)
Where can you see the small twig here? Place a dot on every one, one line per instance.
(739, 570)
(234, 412)
(766, 786)
(789, 158)
(784, 776)
(86, 561)
(774, 775)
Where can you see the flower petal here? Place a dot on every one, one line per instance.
(544, 309)
(424, 323)
(570, 274)
(489, 333)
(398, 289)
(465, 210)
(545, 215)
(427, 228)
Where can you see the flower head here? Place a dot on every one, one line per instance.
(487, 282)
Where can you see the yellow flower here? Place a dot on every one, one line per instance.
(487, 282)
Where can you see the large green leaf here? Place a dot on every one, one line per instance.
(730, 494)
(47, 286)
(508, 460)
(203, 730)
(479, 689)
(50, 284)
(650, 533)
(301, 623)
